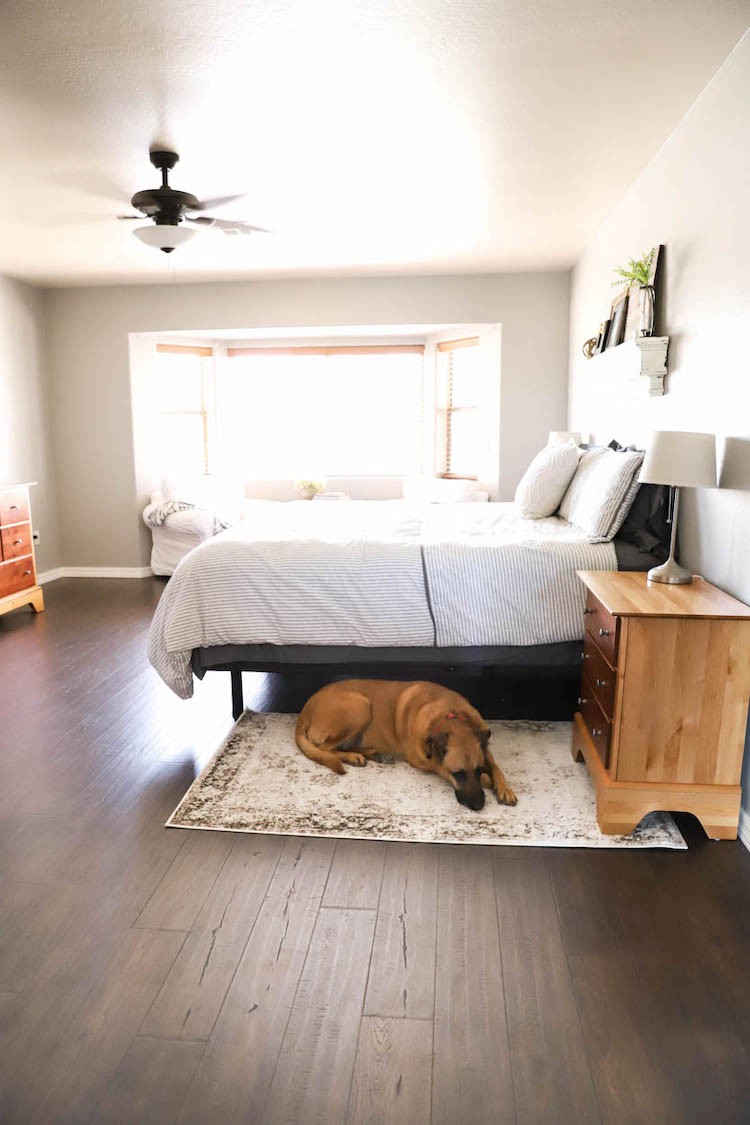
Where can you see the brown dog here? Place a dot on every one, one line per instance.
(426, 725)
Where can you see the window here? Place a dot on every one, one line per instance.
(184, 390)
(458, 394)
(321, 411)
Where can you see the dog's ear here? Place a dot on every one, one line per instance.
(437, 744)
(484, 738)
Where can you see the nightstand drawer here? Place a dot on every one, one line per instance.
(14, 506)
(601, 677)
(598, 726)
(15, 541)
(602, 626)
(15, 576)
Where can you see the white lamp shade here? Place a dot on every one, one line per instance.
(687, 460)
(564, 436)
(163, 236)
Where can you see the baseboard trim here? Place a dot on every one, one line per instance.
(49, 575)
(95, 572)
(744, 829)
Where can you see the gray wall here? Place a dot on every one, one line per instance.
(25, 445)
(693, 197)
(89, 367)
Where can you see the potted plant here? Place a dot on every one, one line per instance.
(307, 489)
(640, 272)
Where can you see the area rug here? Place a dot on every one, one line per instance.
(258, 781)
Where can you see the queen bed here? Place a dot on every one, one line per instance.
(386, 585)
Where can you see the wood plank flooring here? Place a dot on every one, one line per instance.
(156, 976)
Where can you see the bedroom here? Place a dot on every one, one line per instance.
(609, 984)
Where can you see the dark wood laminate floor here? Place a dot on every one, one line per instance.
(152, 975)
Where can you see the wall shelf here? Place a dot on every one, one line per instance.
(642, 356)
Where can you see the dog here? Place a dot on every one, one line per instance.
(428, 726)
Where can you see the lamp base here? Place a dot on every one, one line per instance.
(670, 572)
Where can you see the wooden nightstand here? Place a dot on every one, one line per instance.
(664, 701)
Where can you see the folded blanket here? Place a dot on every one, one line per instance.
(155, 514)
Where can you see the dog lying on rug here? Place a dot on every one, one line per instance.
(426, 725)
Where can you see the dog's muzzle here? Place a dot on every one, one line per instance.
(474, 799)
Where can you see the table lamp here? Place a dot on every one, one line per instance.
(681, 460)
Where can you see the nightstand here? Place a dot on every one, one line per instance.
(664, 700)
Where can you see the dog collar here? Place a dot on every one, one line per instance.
(451, 715)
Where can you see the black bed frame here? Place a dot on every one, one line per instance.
(538, 682)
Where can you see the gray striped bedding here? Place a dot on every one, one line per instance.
(375, 574)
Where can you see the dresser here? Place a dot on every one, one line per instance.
(18, 584)
(664, 700)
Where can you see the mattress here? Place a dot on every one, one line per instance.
(375, 575)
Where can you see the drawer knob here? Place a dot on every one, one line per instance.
(600, 683)
(605, 632)
(581, 701)
(588, 610)
(596, 733)
(17, 542)
(27, 572)
(586, 655)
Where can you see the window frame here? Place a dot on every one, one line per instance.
(446, 410)
(208, 390)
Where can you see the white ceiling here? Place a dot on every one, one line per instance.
(372, 136)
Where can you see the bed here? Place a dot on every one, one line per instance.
(384, 585)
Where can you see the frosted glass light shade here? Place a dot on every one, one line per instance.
(687, 460)
(563, 436)
(163, 236)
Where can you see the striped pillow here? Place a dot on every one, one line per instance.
(601, 492)
(543, 485)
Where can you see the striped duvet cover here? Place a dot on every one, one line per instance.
(375, 574)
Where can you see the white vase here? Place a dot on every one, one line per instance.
(646, 300)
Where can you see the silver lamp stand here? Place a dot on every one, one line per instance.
(671, 571)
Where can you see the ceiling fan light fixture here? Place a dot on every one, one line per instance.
(164, 236)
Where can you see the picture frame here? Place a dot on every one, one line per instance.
(601, 342)
(617, 318)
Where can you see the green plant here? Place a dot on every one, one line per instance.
(309, 486)
(637, 271)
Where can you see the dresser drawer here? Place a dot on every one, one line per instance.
(15, 576)
(597, 725)
(15, 541)
(600, 676)
(602, 626)
(14, 506)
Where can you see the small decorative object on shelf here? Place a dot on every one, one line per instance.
(617, 320)
(641, 274)
(589, 348)
(307, 489)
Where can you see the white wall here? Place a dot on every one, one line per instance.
(25, 445)
(694, 198)
(88, 334)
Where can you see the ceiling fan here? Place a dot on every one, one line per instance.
(167, 208)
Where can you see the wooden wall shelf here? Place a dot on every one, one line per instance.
(643, 356)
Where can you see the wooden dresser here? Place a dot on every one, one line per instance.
(18, 584)
(664, 700)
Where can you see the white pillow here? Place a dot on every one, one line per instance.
(213, 493)
(543, 485)
(438, 490)
(601, 492)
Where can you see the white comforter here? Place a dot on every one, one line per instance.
(375, 574)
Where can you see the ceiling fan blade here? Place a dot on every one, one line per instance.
(220, 201)
(131, 216)
(229, 226)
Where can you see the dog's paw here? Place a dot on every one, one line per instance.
(506, 796)
(354, 759)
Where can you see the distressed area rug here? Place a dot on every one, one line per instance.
(258, 781)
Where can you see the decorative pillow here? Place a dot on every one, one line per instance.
(601, 492)
(543, 485)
